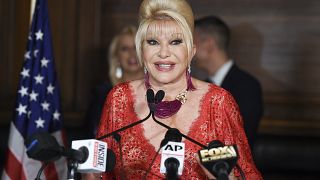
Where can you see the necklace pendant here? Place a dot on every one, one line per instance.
(182, 97)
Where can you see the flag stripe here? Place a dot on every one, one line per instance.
(51, 172)
(14, 168)
(17, 149)
(16, 142)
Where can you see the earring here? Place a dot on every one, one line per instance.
(190, 86)
(118, 72)
(146, 78)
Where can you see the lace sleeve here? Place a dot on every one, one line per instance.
(113, 111)
(234, 134)
(112, 116)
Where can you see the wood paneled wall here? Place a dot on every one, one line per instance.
(276, 40)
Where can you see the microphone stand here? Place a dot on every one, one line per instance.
(151, 101)
(44, 165)
(124, 128)
(185, 136)
(72, 167)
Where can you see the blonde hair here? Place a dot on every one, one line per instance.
(112, 54)
(176, 10)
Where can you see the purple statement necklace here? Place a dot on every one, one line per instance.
(165, 109)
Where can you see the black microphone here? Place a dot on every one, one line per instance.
(159, 96)
(172, 156)
(219, 159)
(172, 165)
(151, 100)
(151, 105)
(171, 135)
(44, 147)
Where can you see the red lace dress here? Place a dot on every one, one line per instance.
(219, 119)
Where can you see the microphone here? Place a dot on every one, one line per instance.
(89, 155)
(219, 159)
(151, 100)
(97, 156)
(171, 135)
(172, 156)
(151, 104)
(159, 96)
(44, 147)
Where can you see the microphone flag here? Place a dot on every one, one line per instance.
(219, 160)
(172, 150)
(97, 155)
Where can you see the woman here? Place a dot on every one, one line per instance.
(123, 66)
(205, 112)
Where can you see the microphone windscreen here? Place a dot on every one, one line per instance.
(83, 156)
(172, 163)
(150, 99)
(150, 96)
(174, 135)
(43, 147)
(215, 144)
(111, 160)
(159, 96)
(172, 166)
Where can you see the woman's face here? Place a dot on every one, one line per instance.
(126, 54)
(164, 52)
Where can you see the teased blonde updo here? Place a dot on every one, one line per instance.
(154, 10)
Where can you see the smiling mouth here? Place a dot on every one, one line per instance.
(164, 67)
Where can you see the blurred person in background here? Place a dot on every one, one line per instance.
(123, 67)
(212, 37)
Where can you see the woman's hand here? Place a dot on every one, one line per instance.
(209, 175)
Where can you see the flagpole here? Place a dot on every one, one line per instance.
(32, 5)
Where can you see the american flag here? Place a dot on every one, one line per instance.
(37, 107)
